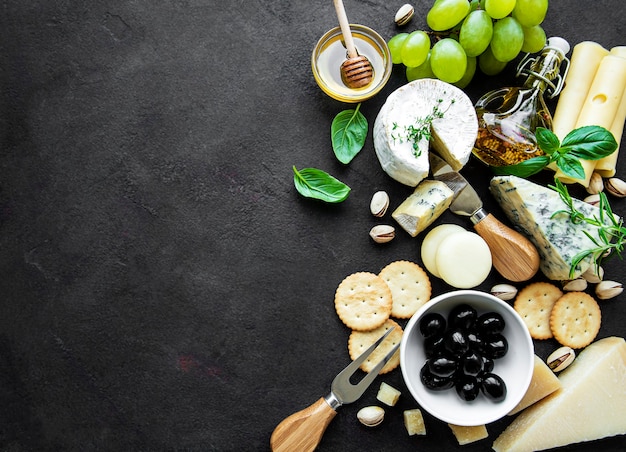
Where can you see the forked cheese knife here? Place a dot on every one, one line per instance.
(513, 255)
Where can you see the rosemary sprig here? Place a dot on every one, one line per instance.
(422, 128)
(611, 230)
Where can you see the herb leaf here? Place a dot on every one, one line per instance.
(589, 143)
(570, 165)
(524, 169)
(317, 184)
(547, 140)
(348, 133)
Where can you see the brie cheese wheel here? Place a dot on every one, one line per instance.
(591, 403)
(558, 240)
(403, 155)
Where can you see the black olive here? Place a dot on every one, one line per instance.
(471, 363)
(455, 342)
(442, 366)
(467, 387)
(488, 364)
(475, 341)
(462, 316)
(496, 346)
(433, 382)
(432, 324)
(493, 387)
(490, 323)
(433, 345)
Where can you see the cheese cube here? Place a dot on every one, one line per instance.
(387, 394)
(543, 383)
(468, 434)
(429, 200)
(414, 422)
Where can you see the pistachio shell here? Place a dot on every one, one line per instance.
(379, 203)
(596, 184)
(616, 187)
(575, 285)
(594, 274)
(608, 289)
(594, 200)
(504, 291)
(560, 358)
(371, 416)
(404, 14)
(382, 233)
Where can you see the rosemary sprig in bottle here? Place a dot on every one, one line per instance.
(611, 230)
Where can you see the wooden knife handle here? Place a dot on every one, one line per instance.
(514, 256)
(303, 431)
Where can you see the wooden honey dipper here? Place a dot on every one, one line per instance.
(356, 71)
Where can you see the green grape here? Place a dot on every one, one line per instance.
(534, 39)
(507, 40)
(448, 60)
(422, 71)
(395, 47)
(415, 48)
(469, 73)
(530, 12)
(488, 63)
(499, 8)
(445, 14)
(476, 32)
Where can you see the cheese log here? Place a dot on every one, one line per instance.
(529, 207)
(601, 105)
(429, 200)
(409, 106)
(586, 57)
(606, 166)
(543, 383)
(590, 405)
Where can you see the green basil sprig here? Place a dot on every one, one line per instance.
(315, 183)
(584, 143)
(348, 132)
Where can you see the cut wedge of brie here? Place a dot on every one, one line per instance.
(403, 155)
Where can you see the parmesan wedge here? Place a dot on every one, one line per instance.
(543, 383)
(590, 405)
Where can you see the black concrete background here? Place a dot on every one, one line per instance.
(163, 285)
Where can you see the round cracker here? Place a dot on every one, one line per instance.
(363, 301)
(410, 287)
(534, 304)
(575, 319)
(360, 340)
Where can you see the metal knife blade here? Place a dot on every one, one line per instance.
(513, 255)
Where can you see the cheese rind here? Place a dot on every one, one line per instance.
(453, 134)
(590, 405)
(558, 240)
(429, 200)
(543, 383)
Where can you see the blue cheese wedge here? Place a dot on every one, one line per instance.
(558, 240)
(429, 200)
(421, 115)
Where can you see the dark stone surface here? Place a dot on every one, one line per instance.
(163, 285)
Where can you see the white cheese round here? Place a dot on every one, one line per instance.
(452, 136)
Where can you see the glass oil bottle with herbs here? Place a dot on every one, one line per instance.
(508, 117)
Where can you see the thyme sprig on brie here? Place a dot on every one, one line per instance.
(611, 230)
(421, 129)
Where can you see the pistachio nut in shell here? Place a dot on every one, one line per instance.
(560, 358)
(404, 14)
(575, 285)
(504, 291)
(371, 416)
(594, 274)
(596, 184)
(594, 199)
(608, 289)
(616, 187)
(382, 233)
(379, 203)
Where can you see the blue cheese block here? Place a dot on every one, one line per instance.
(558, 240)
(429, 200)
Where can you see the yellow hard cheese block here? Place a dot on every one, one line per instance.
(586, 57)
(590, 405)
(429, 200)
(601, 104)
(466, 435)
(606, 166)
(543, 383)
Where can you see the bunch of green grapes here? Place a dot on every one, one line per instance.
(470, 34)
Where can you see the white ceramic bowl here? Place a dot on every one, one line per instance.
(515, 368)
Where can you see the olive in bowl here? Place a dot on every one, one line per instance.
(467, 357)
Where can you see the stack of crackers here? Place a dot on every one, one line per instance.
(573, 318)
(366, 302)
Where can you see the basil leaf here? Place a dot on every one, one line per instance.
(523, 169)
(589, 142)
(348, 132)
(547, 141)
(315, 183)
(570, 165)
